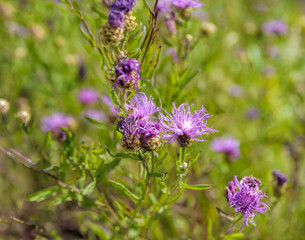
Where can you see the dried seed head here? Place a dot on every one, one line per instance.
(110, 35)
(130, 22)
(4, 106)
(151, 144)
(208, 28)
(131, 143)
(23, 117)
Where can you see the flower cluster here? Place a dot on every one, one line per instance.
(227, 145)
(183, 127)
(54, 122)
(127, 74)
(140, 129)
(119, 18)
(245, 196)
(118, 11)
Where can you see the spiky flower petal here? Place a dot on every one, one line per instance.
(245, 196)
(183, 127)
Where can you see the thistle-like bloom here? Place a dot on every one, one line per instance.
(275, 27)
(245, 196)
(226, 145)
(118, 11)
(54, 122)
(127, 74)
(183, 127)
(88, 95)
(185, 4)
(140, 128)
(140, 106)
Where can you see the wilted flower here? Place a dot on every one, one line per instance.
(208, 28)
(23, 117)
(127, 74)
(275, 27)
(279, 183)
(54, 122)
(245, 196)
(88, 95)
(227, 145)
(183, 127)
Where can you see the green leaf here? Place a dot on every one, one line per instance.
(96, 123)
(194, 160)
(89, 189)
(104, 168)
(197, 187)
(43, 194)
(47, 140)
(123, 188)
(234, 236)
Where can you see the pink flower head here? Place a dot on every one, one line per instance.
(88, 95)
(183, 127)
(245, 196)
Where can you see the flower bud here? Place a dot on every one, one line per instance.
(130, 21)
(110, 35)
(23, 117)
(4, 106)
(208, 28)
(184, 166)
(279, 183)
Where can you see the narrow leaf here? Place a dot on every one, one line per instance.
(197, 187)
(123, 188)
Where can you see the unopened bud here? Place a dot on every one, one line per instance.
(23, 117)
(279, 183)
(188, 37)
(4, 106)
(208, 28)
(184, 166)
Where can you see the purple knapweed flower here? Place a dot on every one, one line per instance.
(127, 74)
(183, 127)
(253, 113)
(88, 95)
(281, 178)
(185, 4)
(118, 11)
(163, 6)
(140, 129)
(54, 122)
(124, 6)
(275, 27)
(140, 106)
(279, 183)
(116, 18)
(245, 196)
(228, 146)
(236, 90)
